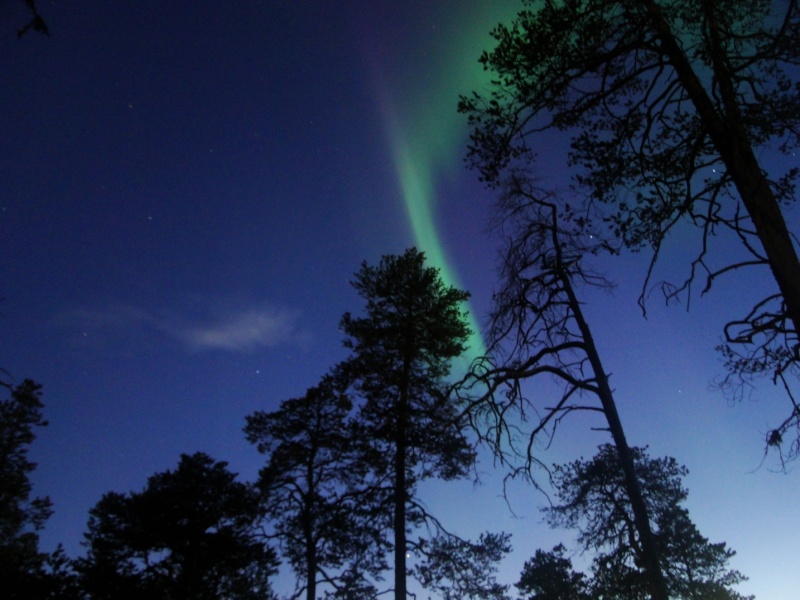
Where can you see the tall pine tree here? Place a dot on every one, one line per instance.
(310, 487)
(413, 325)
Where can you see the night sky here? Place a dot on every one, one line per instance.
(187, 190)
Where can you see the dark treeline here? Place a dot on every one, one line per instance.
(337, 499)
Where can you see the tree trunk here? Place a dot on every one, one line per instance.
(308, 534)
(641, 518)
(652, 563)
(308, 528)
(400, 544)
(311, 582)
(311, 559)
(730, 138)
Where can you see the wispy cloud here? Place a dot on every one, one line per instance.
(244, 332)
(242, 329)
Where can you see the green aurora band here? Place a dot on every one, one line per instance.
(427, 137)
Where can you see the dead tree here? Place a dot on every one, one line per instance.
(538, 329)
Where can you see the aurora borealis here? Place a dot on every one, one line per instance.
(426, 135)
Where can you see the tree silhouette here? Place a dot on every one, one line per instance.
(20, 515)
(460, 569)
(549, 576)
(190, 534)
(25, 572)
(36, 23)
(593, 500)
(538, 330)
(413, 325)
(669, 104)
(310, 487)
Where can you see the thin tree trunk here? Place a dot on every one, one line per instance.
(308, 527)
(400, 542)
(311, 564)
(311, 582)
(641, 518)
(652, 563)
(400, 516)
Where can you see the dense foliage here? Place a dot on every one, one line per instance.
(190, 534)
(25, 572)
(412, 327)
(312, 494)
(593, 501)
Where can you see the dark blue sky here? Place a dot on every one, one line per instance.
(187, 188)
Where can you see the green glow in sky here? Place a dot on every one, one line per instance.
(427, 135)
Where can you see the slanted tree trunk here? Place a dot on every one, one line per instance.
(652, 563)
(641, 518)
(730, 138)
